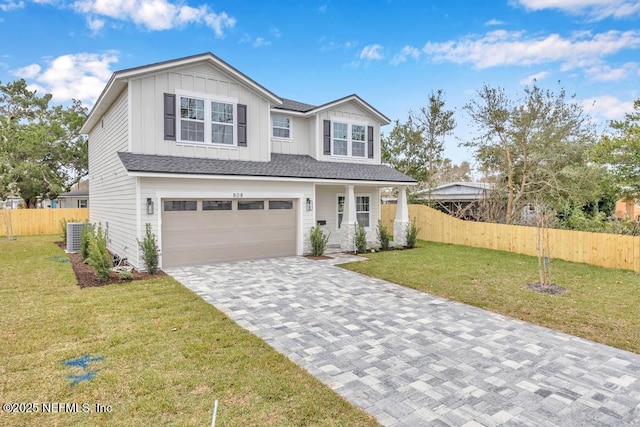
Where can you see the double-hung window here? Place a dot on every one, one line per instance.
(358, 142)
(281, 126)
(340, 139)
(363, 210)
(222, 123)
(349, 140)
(207, 120)
(191, 119)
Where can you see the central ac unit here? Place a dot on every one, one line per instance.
(74, 233)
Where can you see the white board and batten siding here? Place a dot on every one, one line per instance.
(349, 112)
(113, 192)
(302, 140)
(159, 189)
(147, 114)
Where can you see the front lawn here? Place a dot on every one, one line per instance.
(602, 304)
(157, 354)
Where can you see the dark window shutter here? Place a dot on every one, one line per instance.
(327, 136)
(170, 116)
(242, 125)
(370, 141)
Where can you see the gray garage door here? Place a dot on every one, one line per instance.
(213, 230)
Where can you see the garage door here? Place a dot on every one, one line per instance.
(205, 230)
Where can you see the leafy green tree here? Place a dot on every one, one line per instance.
(41, 150)
(538, 146)
(416, 147)
(621, 151)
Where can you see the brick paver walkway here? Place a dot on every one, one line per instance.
(413, 359)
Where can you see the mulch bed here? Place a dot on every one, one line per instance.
(550, 289)
(87, 278)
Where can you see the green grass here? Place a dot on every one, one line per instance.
(602, 304)
(168, 355)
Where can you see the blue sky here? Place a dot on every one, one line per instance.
(391, 53)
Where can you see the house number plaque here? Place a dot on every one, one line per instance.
(237, 195)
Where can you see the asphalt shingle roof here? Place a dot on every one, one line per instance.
(291, 105)
(281, 165)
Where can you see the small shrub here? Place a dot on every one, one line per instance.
(150, 253)
(412, 233)
(383, 236)
(99, 257)
(361, 239)
(85, 239)
(318, 240)
(125, 275)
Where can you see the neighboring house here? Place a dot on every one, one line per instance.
(11, 202)
(224, 169)
(458, 198)
(74, 199)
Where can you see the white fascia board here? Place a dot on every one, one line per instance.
(384, 120)
(270, 178)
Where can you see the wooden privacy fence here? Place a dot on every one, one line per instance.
(31, 222)
(606, 250)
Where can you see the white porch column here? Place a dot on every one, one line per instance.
(401, 221)
(349, 220)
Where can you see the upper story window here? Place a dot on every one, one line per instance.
(206, 120)
(358, 142)
(348, 139)
(281, 126)
(222, 123)
(340, 139)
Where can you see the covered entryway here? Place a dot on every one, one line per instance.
(200, 231)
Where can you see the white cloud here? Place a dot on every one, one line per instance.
(606, 107)
(322, 9)
(9, 5)
(372, 52)
(594, 9)
(155, 15)
(259, 42)
(95, 24)
(327, 44)
(28, 72)
(493, 23)
(534, 78)
(501, 48)
(81, 76)
(275, 32)
(605, 73)
(406, 53)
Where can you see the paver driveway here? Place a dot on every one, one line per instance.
(412, 359)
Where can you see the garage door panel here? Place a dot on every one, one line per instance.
(198, 237)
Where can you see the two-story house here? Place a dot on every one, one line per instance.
(224, 169)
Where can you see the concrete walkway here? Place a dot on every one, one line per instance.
(412, 359)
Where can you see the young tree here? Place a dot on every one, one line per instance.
(538, 145)
(621, 151)
(451, 172)
(41, 151)
(416, 147)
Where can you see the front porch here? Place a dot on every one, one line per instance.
(340, 208)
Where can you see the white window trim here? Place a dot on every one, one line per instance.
(350, 125)
(273, 116)
(208, 99)
(355, 195)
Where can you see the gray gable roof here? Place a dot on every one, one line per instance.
(291, 105)
(281, 165)
(75, 193)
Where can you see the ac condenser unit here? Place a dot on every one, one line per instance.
(74, 232)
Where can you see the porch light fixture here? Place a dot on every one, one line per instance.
(309, 205)
(149, 206)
